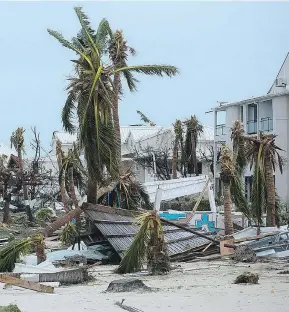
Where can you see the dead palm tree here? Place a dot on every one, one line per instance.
(194, 130)
(17, 141)
(178, 130)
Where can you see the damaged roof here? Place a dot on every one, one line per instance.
(119, 228)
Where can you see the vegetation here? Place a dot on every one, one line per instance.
(11, 253)
(68, 234)
(44, 215)
(148, 244)
(145, 119)
(10, 308)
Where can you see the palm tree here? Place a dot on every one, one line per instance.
(59, 155)
(178, 130)
(194, 129)
(118, 54)
(264, 156)
(72, 174)
(17, 141)
(91, 93)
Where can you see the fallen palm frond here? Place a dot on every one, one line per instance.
(11, 253)
(149, 245)
(68, 234)
(44, 214)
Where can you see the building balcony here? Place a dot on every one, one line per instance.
(221, 130)
(266, 124)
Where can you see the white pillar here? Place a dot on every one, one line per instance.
(215, 153)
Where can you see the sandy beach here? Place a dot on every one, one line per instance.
(202, 287)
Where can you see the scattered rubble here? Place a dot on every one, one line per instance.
(247, 278)
(127, 285)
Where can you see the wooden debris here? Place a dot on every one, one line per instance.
(208, 246)
(127, 285)
(25, 284)
(127, 308)
(247, 278)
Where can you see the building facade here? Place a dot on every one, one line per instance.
(267, 114)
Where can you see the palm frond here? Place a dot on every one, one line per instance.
(103, 33)
(152, 70)
(130, 80)
(87, 30)
(68, 113)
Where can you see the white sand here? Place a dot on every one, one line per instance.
(207, 288)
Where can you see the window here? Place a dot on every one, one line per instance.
(241, 113)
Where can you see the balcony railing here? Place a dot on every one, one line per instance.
(266, 124)
(221, 129)
(251, 126)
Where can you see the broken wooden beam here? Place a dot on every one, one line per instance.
(26, 284)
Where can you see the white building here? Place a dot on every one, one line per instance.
(269, 114)
(137, 138)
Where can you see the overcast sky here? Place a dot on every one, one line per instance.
(225, 51)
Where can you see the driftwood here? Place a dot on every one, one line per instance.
(75, 276)
(127, 308)
(26, 284)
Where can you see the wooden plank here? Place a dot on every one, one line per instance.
(26, 284)
(209, 245)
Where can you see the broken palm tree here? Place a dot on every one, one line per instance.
(12, 252)
(149, 245)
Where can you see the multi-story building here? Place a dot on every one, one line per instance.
(269, 114)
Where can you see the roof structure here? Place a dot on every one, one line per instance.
(119, 228)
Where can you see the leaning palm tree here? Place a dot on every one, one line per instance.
(91, 93)
(5, 176)
(233, 188)
(119, 52)
(148, 244)
(178, 130)
(17, 141)
(194, 130)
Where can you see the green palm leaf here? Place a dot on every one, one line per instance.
(152, 70)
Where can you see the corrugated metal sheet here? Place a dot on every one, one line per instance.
(119, 228)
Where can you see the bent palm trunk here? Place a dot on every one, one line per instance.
(73, 214)
(227, 210)
(116, 82)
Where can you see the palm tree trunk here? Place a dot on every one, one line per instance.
(72, 214)
(6, 208)
(64, 198)
(116, 82)
(270, 190)
(72, 188)
(175, 160)
(91, 192)
(194, 154)
(25, 189)
(227, 210)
